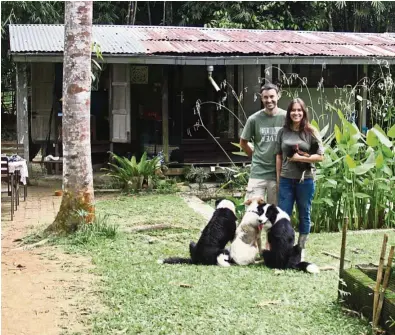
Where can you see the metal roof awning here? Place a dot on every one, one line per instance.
(206, 46)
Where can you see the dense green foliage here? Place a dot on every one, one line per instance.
(356, 180)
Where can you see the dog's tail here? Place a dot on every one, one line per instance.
(176, 260)
(223, 258)
(308, 267)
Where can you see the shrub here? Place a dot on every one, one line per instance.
(131, 174)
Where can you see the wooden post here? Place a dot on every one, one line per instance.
(384, 287)
(342, 252)
(343, 247)
(22, 111)
(379, 277)
(165, 112)
(362, 113)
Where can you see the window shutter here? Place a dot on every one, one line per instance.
(120, 103)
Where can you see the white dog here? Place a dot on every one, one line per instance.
(247, 243)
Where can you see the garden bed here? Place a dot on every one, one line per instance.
(360, 283)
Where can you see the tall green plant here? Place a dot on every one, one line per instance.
(355, 180)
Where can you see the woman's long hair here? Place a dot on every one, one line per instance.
(304, 126)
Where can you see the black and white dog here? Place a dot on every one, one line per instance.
(210, 249)
(283, 254)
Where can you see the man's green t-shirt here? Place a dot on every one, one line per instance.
(262, 130)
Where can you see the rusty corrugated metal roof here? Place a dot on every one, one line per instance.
(151, 40)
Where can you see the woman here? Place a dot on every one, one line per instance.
(298, 148)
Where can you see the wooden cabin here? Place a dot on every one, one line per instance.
(145, 97)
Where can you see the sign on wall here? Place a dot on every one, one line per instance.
(139, 75)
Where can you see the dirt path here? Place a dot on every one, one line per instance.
(44, 290)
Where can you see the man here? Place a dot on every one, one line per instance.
(262, 128)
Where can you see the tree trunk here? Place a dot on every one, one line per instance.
(77, 202)
(132, 10)
(356, 17)
(169, 14)
(149, 13)
(134, 13)
(330, 21)
(164, 14)
(128, 16)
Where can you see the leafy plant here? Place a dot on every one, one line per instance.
(197, 174)
(166, 186)
(236, 177)
(356, 179)
(132, 174)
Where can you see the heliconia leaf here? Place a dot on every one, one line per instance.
(379, 161)
(350, 162)
(362, 169)
(361, 195)
(324, 131)
(331, 181)
(387, 170)
(391, 132)
(341, 115)
(239, 153)
(328, 201)
(387, 152)
(353, 129)
(377, 127)
(338, 134)
(371, 139)
(315, 125)
(371, 159)
(382, 137)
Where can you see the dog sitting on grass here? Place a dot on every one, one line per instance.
(247, 243)
(209, 250)
(283, 254)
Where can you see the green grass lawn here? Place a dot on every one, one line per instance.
(144, 297)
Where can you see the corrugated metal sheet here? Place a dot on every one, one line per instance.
(193, 40)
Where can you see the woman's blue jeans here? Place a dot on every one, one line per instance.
(291, 191)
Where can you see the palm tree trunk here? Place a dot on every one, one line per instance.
(78, 196)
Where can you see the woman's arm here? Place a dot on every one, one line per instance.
(312, 159)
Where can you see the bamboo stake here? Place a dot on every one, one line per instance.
(342, 254)
(385, 285)
(378, 278)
